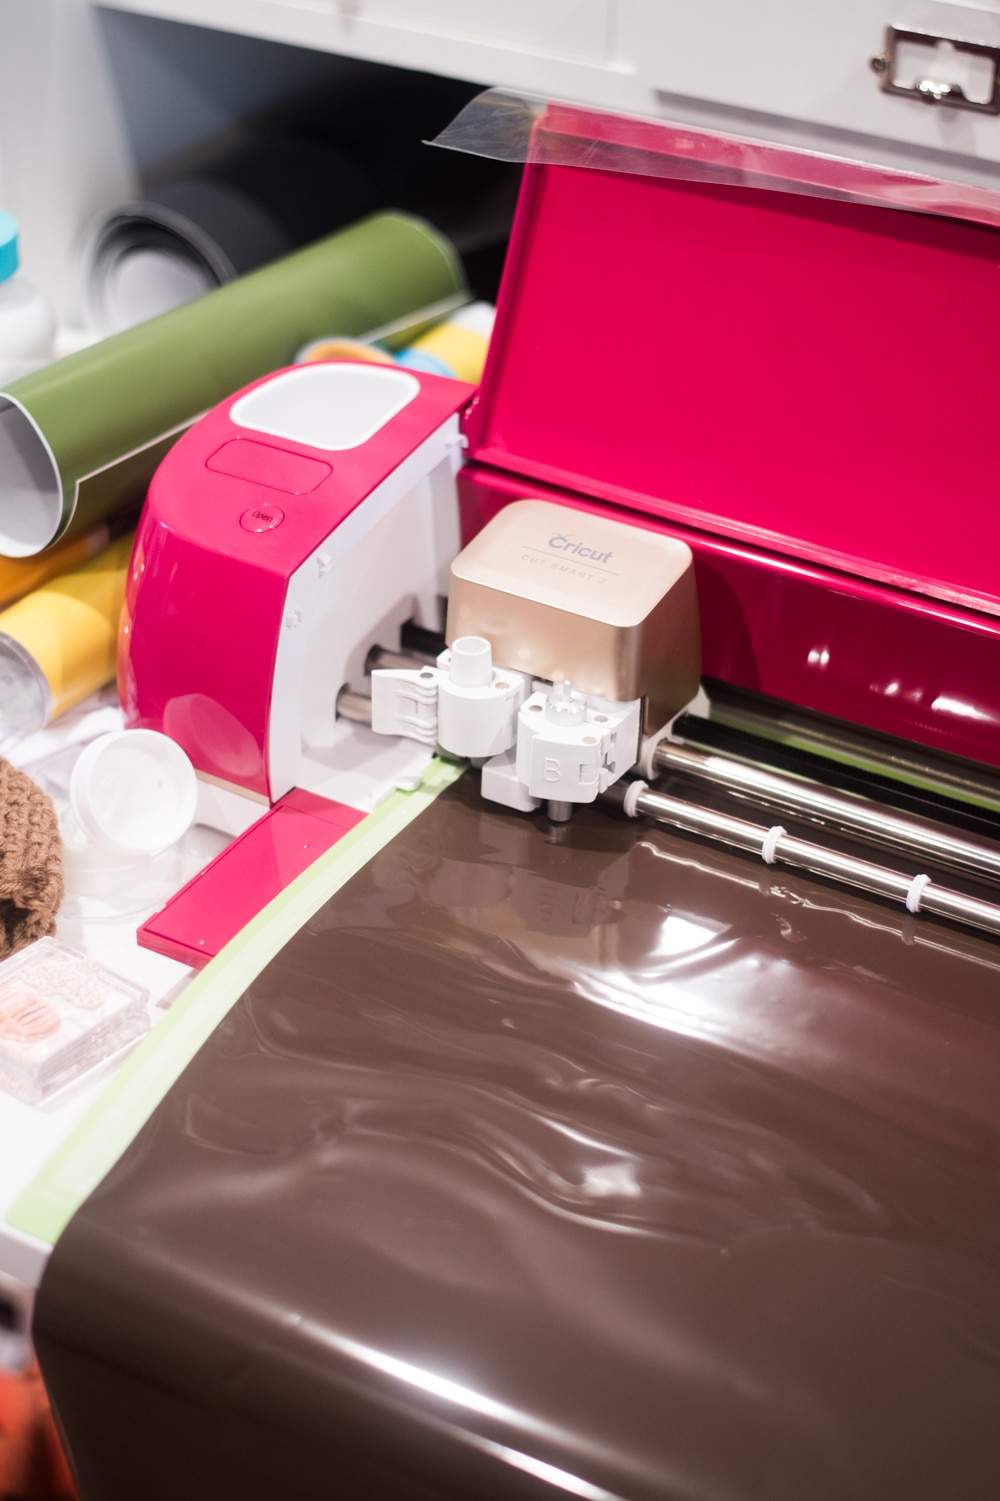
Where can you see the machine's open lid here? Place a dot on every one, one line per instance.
(704, 338)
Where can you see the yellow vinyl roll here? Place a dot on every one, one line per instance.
(67, 631)
(18, 576)
(463, 350)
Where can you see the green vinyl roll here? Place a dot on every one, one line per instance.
(79, 439)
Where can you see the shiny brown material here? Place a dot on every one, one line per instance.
(581, 1161)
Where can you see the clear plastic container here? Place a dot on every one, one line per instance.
(60, 1015)
(134, 792)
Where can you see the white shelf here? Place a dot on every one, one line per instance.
(97, 921)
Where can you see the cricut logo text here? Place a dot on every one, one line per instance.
(562, 542)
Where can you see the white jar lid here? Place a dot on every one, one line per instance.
(134, 792)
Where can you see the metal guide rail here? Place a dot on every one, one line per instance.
(918, 892)
(799, 797)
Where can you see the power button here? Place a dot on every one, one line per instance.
(263, 518)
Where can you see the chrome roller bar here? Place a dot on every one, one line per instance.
(783, 725)
(385, 656)
(918, 893)
(802, 798)
(357, 707)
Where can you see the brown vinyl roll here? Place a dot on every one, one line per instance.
(546, 1161)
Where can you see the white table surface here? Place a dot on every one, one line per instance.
(94, 925)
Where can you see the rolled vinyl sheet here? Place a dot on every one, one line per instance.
(69, 629)
(338, 154)
(581, 1160)
(80, 439)
(259, 202)
(18, 576)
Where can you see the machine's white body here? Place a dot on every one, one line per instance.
(384, 565)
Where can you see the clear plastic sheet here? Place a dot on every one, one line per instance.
(512, 127)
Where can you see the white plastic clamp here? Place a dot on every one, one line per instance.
(769, 848)
(570, 746)
(477, 702)
(915, 894)
(405, 702)
(633, 792)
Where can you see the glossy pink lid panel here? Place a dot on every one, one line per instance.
(815, 376)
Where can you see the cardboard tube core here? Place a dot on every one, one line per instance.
(30, 488)
(25, 696)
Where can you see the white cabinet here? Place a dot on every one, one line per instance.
(810, 61)
(562, 47)
(556, 28)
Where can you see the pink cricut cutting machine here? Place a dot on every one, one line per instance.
(776, 366)
(300, 521)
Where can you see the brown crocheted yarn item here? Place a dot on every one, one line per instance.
(31, 866)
